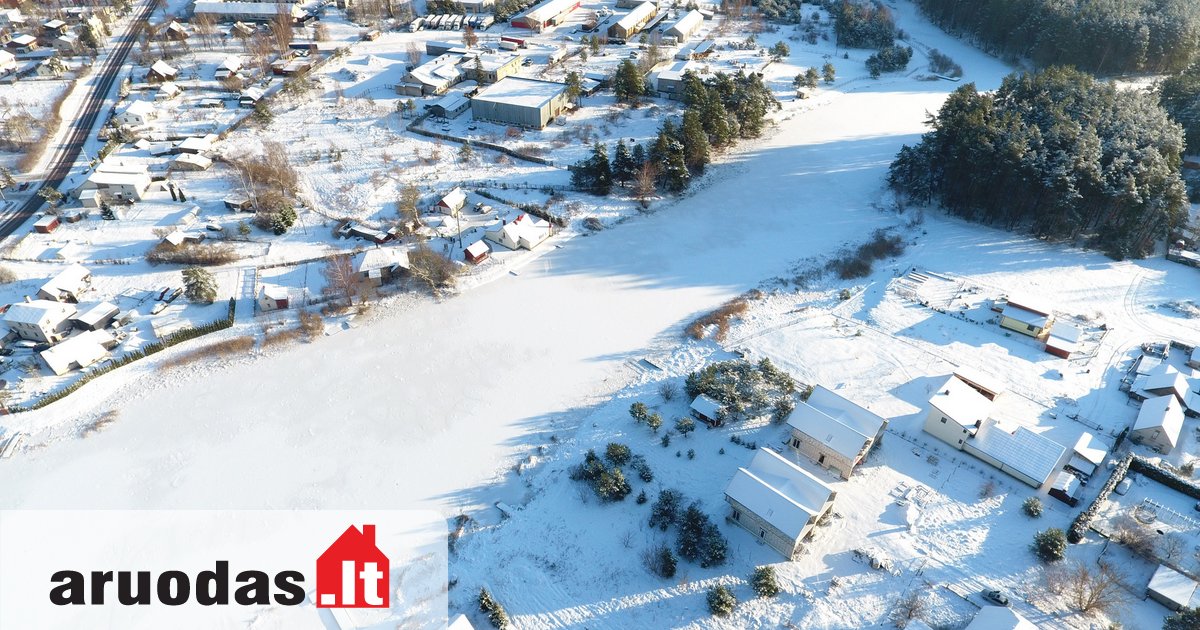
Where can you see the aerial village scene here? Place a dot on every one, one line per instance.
(749, 314)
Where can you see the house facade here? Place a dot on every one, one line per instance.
(778, 502)
(40, 320)
(1159, 423)
(833, 432)
(1026, 316)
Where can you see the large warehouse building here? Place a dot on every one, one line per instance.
(545, 15)
(520, 102)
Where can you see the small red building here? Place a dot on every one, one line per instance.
(46, 224)
(476, 252)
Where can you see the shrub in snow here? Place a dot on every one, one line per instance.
(782, 409)
(641, 498)
(721, 601)
(617, 454)
(638, 412)
(1186, 619)
(493, 609)
(668, 391)
(655, 421)
(1032, 507)
(665, 510)
(764, 582)
(666, 440)
(660, 561)
(1050, 545)
(643, 469)
(684, 426)
(745, 389)
(612, 486)
(691, 453)
(699, 539)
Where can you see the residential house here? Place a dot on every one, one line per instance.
(40, 320)
(707, 410)
(956, 411)
(96, 318)
(451, 203)
(833, 432)
(434, 77)
(161, 71)
(1023, 454)
(1161, 380)
(23, 43)
(175, 32)
(11, 18)
(135, 114)
(1026, 316)
(67, 285)
(1171, 588)
(380, 265)
(1158, 423)
(50, 68)
(271, 298)
(476, 252)
(523, 232)
(67, 44)
(1088, 455)
(1193, 358)
(988, 386)
(196, 145)
(450, 106)
(250, 97)
(167, 91)
(54, 28)
(492, 68)
(78, 351)
(8, 62)
(191, 162)
(777, 501)
(118, 182)
(229, 67)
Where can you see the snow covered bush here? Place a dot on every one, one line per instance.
(638, 463)
(1050, 545)
(684, 426)
(608, 483)
(617, 454)
(721, 601)
(638, 412)
(908, 608)
(654, 421)
(699, 539)
(7, 276)
(746, 390)
(495, 612)
(1032, 507)
(764, 582)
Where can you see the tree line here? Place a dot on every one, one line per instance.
(1103, 36)
(1180, 96)
(1055, 152)
(719, 111)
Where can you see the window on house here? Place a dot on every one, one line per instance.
(1030, 327)
(762, 533)
(943, 420)
(737, 516)
(795, 443)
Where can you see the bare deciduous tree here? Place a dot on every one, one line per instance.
(908, 608)
(414, 54)
(644, 184)
(469, 37)
(341, 281)
(432, 269)
(1091, 591)
(281, 29)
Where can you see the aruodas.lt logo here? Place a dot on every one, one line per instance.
(353, 572)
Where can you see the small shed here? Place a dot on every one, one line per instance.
(272, 298)
(46, 224)
(1171, 588)
(708, 411)
(1066, 488)
(477, 252)
(1063, 340)
(239, 203)
(1088, 455)
(191, 162)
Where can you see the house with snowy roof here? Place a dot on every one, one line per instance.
(40, 320)
(67, 285)
(1171, 588)
(999, 618)
(135, 114)
(956, 411)
(78, 351)
(1028, 456)
(161, 71)
(707, 410)
(1158, 424)
(380, 265)
(778, 502)
(524, 232)
(832, 431)
(1026, 316)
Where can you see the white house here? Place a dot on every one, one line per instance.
(833, 432)
(999, 618)
(40, 320)
(96, 317)
(8, 62)
(686, 26)
(135, 114)
(522, 232)
(78, 351)
(167, 90)
(272, 298)
(128, 183)
(1161, 380)
(956, 411)
(1158, 423)
(777, 501)
(452, 202)
(67, 285)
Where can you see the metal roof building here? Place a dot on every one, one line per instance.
(520, 102)
(1023, 454)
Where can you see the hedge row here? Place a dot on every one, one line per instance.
(1084, 519)
(1165, 477)
(172, 339)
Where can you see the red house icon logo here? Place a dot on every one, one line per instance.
(353, 572)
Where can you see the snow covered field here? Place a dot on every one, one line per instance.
(433, 404)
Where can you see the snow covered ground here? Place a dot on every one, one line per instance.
(434, 404)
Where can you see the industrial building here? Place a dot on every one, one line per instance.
(633, 22)
(545, 15)
(520, 102)
(246, 11)
(686, 26)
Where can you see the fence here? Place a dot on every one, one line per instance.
(416, 128)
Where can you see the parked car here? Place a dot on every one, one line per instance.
(996, 597)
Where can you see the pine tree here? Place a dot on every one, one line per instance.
(764, 582)
(495, 612)
(574, 87)
(628, 83)
(810, 78)
(666, 562)
(695, 142)
(639, 155)
(674, 175)
(199, 285)
(623, 166)
(601, 170)
(828, 73)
